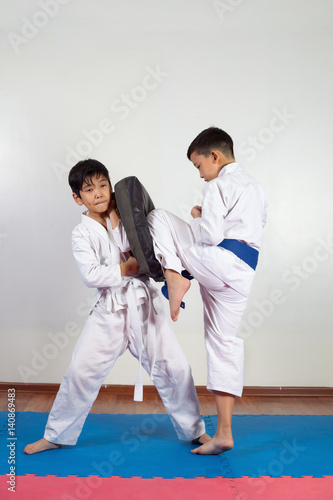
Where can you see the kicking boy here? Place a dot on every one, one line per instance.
(220, 249)
(127, 314)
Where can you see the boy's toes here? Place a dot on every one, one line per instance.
(41, 445)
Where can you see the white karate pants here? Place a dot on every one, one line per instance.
(223, 306)
(104, 338)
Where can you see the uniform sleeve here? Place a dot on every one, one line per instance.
(209, 228)
(94, 273)
(120, 237)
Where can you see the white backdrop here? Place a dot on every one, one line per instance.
(131, 84)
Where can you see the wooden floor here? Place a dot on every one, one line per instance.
(123, 403)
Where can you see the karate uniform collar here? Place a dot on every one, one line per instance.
(96, 226)
(231, 167)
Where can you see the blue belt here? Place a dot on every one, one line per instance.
(243, 251)
(248, 254)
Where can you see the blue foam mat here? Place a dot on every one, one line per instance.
(147, 446)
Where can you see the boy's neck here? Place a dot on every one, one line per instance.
(101, 218)
(225, 163)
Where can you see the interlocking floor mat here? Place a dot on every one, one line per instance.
(139, 456)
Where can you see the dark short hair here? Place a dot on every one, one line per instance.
(86, 169)
(211, 139)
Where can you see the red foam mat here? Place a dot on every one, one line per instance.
(32, 487)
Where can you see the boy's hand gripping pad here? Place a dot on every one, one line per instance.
(134, 204)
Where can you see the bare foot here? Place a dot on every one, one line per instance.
(41, 445)
(214, 446)
(202, 439)
(177, 287)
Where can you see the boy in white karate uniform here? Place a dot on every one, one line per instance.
(127, 314)
(220, 249)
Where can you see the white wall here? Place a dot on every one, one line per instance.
(66, 69)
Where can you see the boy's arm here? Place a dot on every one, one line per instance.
(208, 221)
(95, 274)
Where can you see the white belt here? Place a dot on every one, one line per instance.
(135, 292)
(129, 298)
(136, 327)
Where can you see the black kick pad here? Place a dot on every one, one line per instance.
(134, 204)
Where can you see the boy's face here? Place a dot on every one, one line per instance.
(95, 195)
(208, 166)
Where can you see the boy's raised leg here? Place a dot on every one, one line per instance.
(177, 287)
(223, 440)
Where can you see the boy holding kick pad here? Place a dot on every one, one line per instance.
(127, 314)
